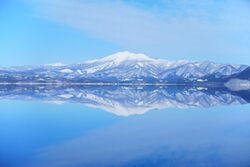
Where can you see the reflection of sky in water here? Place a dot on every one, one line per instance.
(40, 134)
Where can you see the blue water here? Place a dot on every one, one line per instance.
(40, 134)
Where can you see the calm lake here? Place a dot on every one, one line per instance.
(123, 127)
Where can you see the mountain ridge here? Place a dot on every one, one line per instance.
(125, 67)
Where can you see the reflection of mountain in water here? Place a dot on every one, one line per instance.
(125, 101)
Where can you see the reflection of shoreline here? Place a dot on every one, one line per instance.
(116, 84)
(237, 84)
(127, 100)
(231, 84)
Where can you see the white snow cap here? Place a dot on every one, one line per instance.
(59, 64)
(123, 56)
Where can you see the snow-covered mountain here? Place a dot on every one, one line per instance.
(125, 101)
(124, 67)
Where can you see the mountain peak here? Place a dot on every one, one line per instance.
(123, 56)
(59, 64)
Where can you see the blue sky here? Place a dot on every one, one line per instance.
(71, 31)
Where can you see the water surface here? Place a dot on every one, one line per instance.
(56, 127)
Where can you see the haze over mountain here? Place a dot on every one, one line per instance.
(126, 67)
